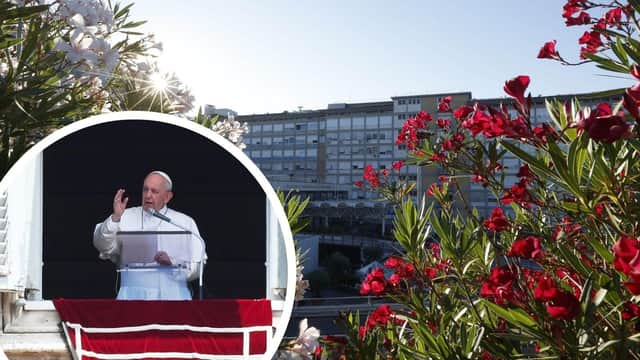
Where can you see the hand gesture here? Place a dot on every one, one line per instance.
(162, 258)
(119, 205)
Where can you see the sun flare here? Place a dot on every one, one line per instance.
(159, 82)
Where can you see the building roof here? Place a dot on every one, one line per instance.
(432, 95)
(540, 98)
(332, 109)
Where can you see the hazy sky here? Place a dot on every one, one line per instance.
(271, 56)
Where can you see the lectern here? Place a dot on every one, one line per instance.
(141, 278)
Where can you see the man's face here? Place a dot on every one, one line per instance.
(154, 192)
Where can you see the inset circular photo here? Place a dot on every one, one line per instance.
(150, 227)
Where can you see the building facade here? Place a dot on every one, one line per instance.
(322, 153)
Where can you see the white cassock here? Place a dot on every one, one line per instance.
(163, 283)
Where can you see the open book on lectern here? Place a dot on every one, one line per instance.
(140, 247)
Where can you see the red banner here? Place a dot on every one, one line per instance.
(133, 329)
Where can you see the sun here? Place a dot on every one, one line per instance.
(159, 82)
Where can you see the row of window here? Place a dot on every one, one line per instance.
(382, 151)
(412, 101)
(284, 140)
(288, 153)
(332, 152)
(287, 126)
(359, 166)
(359, 122)
(385, 136)
(388, 136)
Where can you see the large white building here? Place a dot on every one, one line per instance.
(322, 153)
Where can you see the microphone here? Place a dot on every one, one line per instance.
(203, 255)
(153, 212)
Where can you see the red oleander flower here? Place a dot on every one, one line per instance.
(432, 189)
(572, 7)
(564, 306)
(490, 125)
(409, 133)
(516, 88)
(613, 17)
(567, 229)
(582, 19)
(358, 184)
(444, 123)
(518, 193)
(527, 248)
(525, 172)
(499, 286)
(602, 125)
(625, 251)
(630, 311)
(406, 271)
(477, 178)
(546, 289)
(374, 283)
(462, 112)
(635, 71)
(548, 51)
(599, 208)
(544, 131)
(397, 165)
(371, 176)
(362, 332)
(393, 262)
(497, 221)
(430, 272)
(379, 317)
(385, 172)
(438, 157)
(445, 104)
(435, 249)
(631, 100)
(592, 42)
(626, 259)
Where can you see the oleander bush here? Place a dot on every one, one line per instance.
(553, 271)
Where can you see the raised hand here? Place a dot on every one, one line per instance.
(119, 205)
(162, 258)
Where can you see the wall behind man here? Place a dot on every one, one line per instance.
(82, 172)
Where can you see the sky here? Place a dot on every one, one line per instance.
(271, 56)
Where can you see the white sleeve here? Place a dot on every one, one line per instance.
(104, 239)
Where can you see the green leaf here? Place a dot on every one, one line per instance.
(536, 164)
(607, 64)
(515, 317)
(576, 263)
(577, 156)
(619, 50)
(25, 11)
(635, 4)
(604, 93)
(7, 43)
(600, 249)
(633, 53)
(133, 24)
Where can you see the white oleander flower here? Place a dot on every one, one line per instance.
(78, 48)
(4, 69)
(301, 284)
(233, 130)
(93, 12)
(304, 346)
(307, 339)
